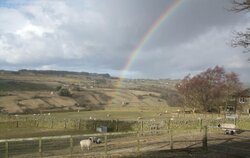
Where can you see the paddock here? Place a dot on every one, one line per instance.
(122, 144)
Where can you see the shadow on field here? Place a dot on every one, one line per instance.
(221, 146)
(176, 153)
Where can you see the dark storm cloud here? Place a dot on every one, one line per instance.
(93, 35)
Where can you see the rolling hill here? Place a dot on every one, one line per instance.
(33, 91)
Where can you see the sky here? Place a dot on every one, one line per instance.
(99, 36)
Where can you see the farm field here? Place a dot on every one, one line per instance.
(180, 122)
(38, 110)
(8, 133)
(29, 93)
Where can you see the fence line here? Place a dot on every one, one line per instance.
(116, 125)
(135, 142)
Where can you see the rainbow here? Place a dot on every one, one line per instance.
(153, 28)
(145, 38)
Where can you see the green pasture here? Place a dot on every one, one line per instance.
(179, 121)
(7, 133)
(120, 113)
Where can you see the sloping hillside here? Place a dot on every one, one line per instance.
(34, 92)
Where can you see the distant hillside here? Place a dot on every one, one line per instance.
(55, 72)
(12, 85)
(35, 91)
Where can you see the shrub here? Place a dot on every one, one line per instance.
(65, 92)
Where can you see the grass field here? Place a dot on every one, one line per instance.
(8, 133)
(35, 94)
(11, 85)
(114, 114)
(117, 112)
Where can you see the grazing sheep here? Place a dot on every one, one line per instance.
(95, 140)
(228, 128)
(139, 118)
(98, 141)
(152, 119)
(85, 143)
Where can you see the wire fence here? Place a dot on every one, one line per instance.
(112, 144)
(213, 142)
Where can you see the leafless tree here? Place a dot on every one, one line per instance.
(241, 39)
(240, 5)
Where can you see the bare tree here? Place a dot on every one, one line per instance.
(241, 5)
(241, 39)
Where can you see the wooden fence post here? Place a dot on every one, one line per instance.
(94, 125)
(52, 123)
(138, 142)
(37, 123)
(200, 124)
(169, 124)
(6, 149)
(204, 140)
(106, 147)
(171, 140)
(79, 124)
(142, 126)
(71, 145)
(40, 147)
(65, 123)
(116, 125)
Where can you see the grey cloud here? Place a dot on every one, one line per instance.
(93, 35)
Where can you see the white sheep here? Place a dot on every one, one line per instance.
(85, 143)
(139, 118)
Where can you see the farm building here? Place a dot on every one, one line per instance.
(243, 100)
(239, 102)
